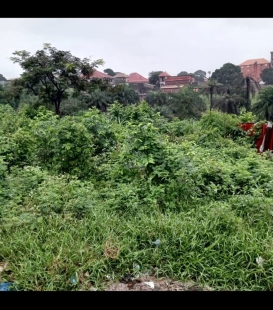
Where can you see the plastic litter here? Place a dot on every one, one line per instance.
(151, 284)
(156, 242)
(260, 261)
(73, 280)
(136, 266)
(6, 286)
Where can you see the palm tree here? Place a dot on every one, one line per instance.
(186, 104)
(124, 94)
(158, 98)
(263, 108)
(213, 88)
(229, 104)
(99, 99)
(251, 87)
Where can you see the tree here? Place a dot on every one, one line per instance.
(124, 94)
(158, 98)
(230, 104)
(50, 72)
(98, 99)
(228, 75)
(267, 76)
(153, 77)
(182, 73)
(186, 104)
(200, 75)
(211, 89)
(251, 87)
(12, 93)
(100, 84)
(109, 72)
(2, 78)
(263, 107)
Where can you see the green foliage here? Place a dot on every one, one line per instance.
(109, 72)
(50, 72)
(228, 75)
(158, 98)
(186, 104)
(182, 73)
(2, 78)
(73, 187)
(124, 94)
(263, 107)
(200, 75)
(153, 77)
(267, 76)
(64, 146)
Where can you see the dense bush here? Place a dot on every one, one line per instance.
(70, 187)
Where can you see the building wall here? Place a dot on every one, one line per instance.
(254, 70)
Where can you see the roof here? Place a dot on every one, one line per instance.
(120, 75)
(137, 78)
(164, 74)
(171, 80)
(100, 75)
(252, 62)
(179, 78)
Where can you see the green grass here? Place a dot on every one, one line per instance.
(206, 194)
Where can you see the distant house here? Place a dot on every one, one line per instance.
(100, 75)
(162, 76)
(120, 78)
(140, 84)
(172, 84)
(254, 67)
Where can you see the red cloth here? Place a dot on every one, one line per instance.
(247, 126)
(260, 140)
(268, 145)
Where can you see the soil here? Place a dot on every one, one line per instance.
(154, 284)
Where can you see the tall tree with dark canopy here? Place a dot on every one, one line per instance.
(228, 75)
(182, 73)
(109, 72)
(153, 77)
(50, 72)
(267, 76)
(2, 78)
(200, 75)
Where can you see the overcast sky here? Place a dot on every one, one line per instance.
(141, 44)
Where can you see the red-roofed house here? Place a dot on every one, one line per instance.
(172, 84)
(140, 84)
(254, 67)
(100, 75)
(137, 78)
(120, 78)
(162, 76)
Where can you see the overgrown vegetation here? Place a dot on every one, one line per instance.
(88, 185)
(86, 196)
